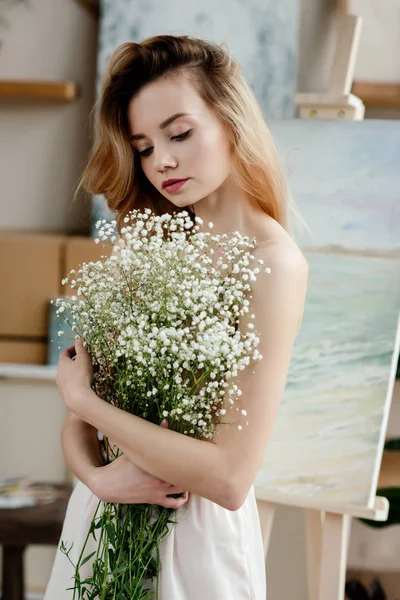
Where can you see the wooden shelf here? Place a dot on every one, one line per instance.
(377, 95)
(59, 91)
(389, 475)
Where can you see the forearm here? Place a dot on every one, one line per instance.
(81, 448)
(197, 466)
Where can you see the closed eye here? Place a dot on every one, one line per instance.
(178, 138)
(182, 136)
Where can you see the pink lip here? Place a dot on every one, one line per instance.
(173, 185)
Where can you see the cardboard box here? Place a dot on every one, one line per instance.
(78, 250)
(23, 352)
(30, 274)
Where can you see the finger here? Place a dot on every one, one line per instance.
(174, 503)
(79, 347)
(68, 352)
(177, 495)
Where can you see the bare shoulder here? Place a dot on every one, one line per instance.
(281, 254)
(279, 293)
(278, 247)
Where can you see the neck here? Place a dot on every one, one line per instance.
(230, 209)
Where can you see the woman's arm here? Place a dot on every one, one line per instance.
(81, 448)
(121, 481)
(164, 453)
(224, 470)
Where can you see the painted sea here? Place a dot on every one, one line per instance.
(328, 438)
(325, 442)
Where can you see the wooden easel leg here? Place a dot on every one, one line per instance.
(266, 512)
(313, 526)
(335, 535)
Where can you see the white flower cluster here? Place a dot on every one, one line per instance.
(160, 318)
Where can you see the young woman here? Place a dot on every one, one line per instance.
(178, 127)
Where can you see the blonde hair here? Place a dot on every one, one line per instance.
(114, 168)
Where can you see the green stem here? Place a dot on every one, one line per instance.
(82, 551)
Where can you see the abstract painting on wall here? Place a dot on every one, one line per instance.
(328, 438)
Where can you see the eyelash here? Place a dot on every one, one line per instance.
(178, 138)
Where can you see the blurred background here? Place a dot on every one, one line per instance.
(52, 55)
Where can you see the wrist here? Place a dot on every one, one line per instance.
(80, 401)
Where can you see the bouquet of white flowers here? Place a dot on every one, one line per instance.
(160, 319)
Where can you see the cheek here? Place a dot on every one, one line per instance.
(147, 170)
(212, 158)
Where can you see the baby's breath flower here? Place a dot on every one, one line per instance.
(160, 318)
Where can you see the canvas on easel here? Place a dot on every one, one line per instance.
(326, 447)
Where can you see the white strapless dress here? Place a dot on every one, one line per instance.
(211, 553)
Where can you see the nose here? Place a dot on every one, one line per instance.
(163, 159)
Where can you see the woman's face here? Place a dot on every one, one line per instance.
(179, 137)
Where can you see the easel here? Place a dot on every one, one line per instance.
(328, 527)
(337, 102)
(327, 534)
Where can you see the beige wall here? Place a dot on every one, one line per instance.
(43, 146)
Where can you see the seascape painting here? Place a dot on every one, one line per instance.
(328, 439)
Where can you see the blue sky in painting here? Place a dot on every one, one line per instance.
(345, 178)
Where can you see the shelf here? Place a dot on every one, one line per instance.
(389, 475)
(59, 91)
(19, 371)
(377, 95)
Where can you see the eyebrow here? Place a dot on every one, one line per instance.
(163, 125)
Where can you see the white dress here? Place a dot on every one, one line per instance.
(211, 553)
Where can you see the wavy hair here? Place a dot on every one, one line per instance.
(114, 169)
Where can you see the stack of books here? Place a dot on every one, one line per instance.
(21, 492)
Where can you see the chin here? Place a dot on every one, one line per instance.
(181, 202)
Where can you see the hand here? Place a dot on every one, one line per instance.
(74, 373)
(124, 482)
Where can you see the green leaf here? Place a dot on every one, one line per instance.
(120, 570)
(111, 533)
(99, 523)
(111, 558)
(85, 560)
